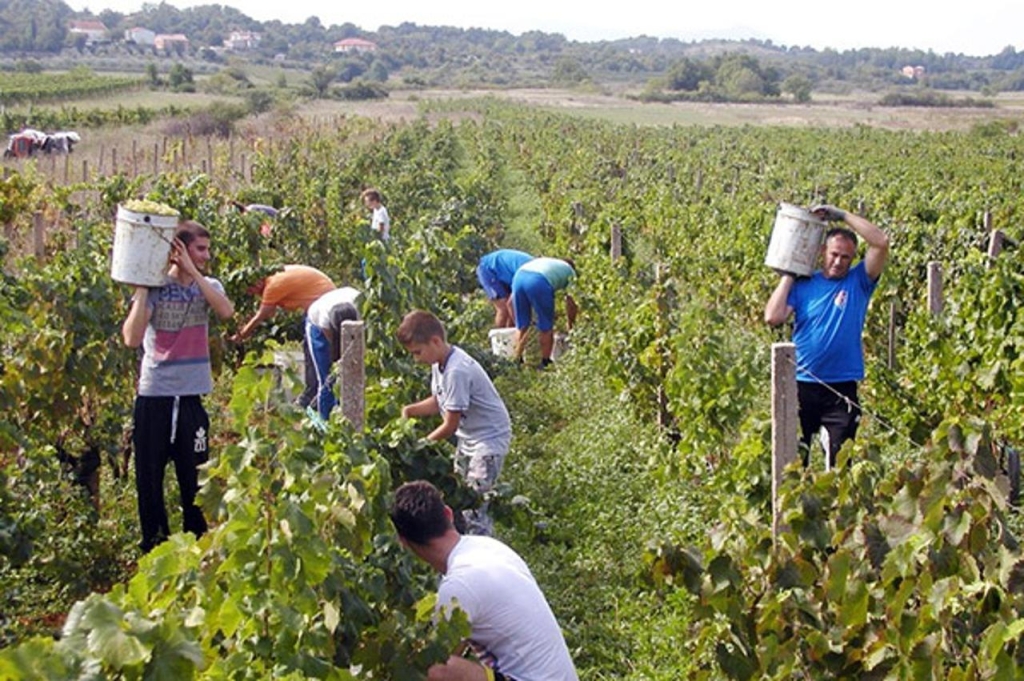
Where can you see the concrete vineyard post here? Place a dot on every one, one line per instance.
(353, 373)
(784, 421)
(39, 236)
(893, 313)
(934, 288)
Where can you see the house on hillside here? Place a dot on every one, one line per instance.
(140, 36)
(94, 31)
(913, 72)
(242, 40)
(357, 45)
(170, 41)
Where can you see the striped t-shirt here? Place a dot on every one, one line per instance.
(176, 348)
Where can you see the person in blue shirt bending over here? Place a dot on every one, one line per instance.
(829, 309)
(533, 292)
(495, 273)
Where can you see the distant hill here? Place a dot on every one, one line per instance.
(438, 55)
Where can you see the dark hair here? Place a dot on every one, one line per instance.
(372, 194)
(847, 234)
(190, 230)
(419, 326)
(342, 312)
(418, 512)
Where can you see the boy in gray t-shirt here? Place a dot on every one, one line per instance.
(469, 405)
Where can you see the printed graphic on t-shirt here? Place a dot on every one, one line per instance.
(840, 299)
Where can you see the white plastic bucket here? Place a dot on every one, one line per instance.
(560, 346)
(142, 245)
(503, 342)
(289, 371)
(796, 241)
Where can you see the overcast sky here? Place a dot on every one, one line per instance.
(978, 28)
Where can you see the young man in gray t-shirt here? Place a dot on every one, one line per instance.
(469, 405)
(170, 322)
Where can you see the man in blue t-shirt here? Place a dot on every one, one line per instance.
(829, 310)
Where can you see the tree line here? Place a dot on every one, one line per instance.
(496, 57)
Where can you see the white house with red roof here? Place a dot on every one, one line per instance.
(167, 41)
(93, 30)
(355, 45)
(140, 36)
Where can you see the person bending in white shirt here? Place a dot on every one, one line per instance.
(512, 629)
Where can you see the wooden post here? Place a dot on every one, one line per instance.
(986, 220)
(995, 245)
(203, 167)
(113, 160)
(156, 158)
(699, 182)
(785, 441)
(660, 337)
(893, 311)
(353, 373)
(39, 236)
(616, 248)
(100, 165)
(85, 170)
(934, 288)
(135, 158)
(209, 154)
(67, 169)
(577, 222)
(244, 176)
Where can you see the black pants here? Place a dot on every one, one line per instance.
(832, 406)
(169, 429)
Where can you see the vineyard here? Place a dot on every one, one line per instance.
(638, 486)
(33, 88)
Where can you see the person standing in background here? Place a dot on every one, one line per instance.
(380, 221)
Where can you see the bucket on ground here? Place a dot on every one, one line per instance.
(560, 347)
(503, 342)
(289, 371)
(142, 244)
(796, 241)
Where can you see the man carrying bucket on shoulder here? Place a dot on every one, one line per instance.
(170, 322)
(829, 309)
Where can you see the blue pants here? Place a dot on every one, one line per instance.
(319, 346)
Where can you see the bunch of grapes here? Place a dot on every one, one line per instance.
(149, 207)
